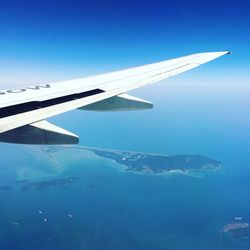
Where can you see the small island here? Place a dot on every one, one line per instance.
(236, 234)
(39, 185)
(6, 188)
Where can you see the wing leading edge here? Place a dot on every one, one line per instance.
(20, 108)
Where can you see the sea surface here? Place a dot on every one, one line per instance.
(70, 198)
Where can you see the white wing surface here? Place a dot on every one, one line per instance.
(24, 109)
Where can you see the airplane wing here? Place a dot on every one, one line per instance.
(23, 110)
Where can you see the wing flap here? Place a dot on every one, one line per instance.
(121, 102)
(41, 132)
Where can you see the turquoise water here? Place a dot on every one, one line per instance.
(106, 208)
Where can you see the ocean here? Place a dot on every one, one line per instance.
(69, 198)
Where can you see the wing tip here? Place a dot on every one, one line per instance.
(221, 53)
(225, 52)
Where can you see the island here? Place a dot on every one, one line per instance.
(140, 162)
(155, 163)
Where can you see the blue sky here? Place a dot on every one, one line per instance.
(56, 40)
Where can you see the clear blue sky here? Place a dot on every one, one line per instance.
(55, 40)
